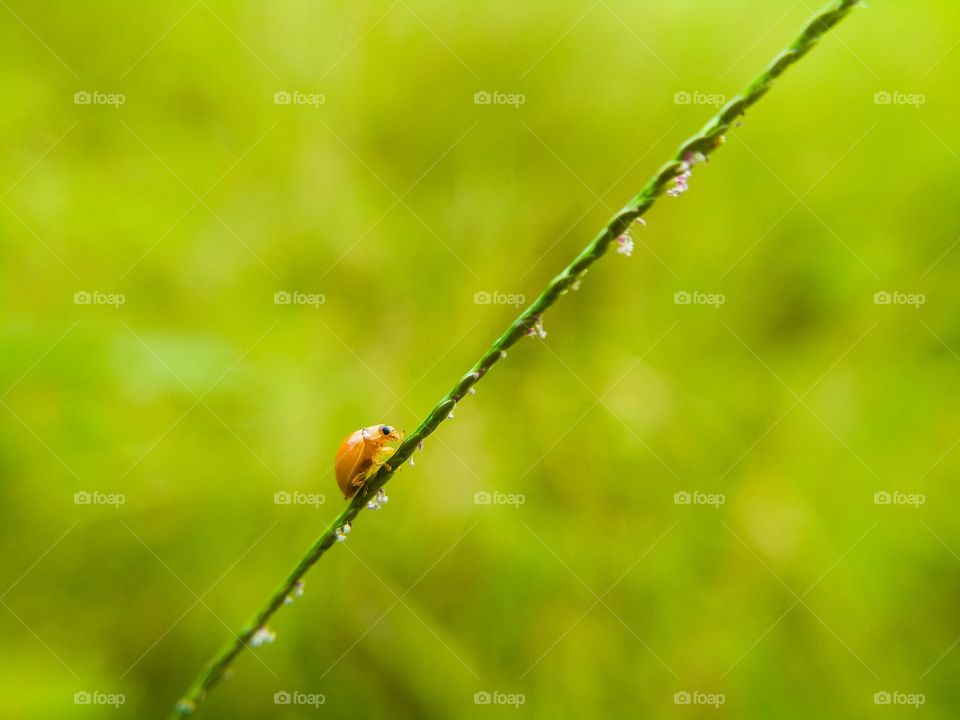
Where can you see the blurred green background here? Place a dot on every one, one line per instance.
(384, 187)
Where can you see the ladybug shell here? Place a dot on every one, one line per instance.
(353, 462)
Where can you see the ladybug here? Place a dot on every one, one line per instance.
(361, 454)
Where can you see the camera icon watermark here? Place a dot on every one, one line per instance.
(95, 697)
(896, 697)
(895, 97)
(685, 297)
(95, 297)
(483, 97)
(514, 500)
(85, 97)
(697, 697)
(895, 297)
(283, 697)
(495, 697)
(96, 497)
(485, 297)
(714, 500)
(284, 497)
(897, 498)
(295, 97)
(695, 97)
(284, 297)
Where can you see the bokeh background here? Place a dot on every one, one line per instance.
(585, 588)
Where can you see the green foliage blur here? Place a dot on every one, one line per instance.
(660, 502)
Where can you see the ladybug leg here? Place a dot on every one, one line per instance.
(359, 483)
(360, 477)
(383, 455)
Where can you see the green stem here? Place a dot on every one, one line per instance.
(704, 143)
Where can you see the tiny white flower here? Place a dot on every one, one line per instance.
(680, 184)
(263, 636)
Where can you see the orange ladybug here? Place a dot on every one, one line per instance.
(361, 454)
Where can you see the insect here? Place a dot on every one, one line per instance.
(361, 454)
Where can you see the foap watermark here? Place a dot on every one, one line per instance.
(885, 497)
(284, 497)
(84, 97)
(698, 697)
(895, 297)
(483, 97)
(895, 97)
(695, 97)
(684, 497)
(95, 297)
(496, 697)
(514, 500)
(283, 697)
(96, 497)
(699, 298)
(296, 297)
(296, 97)
(896, 697)
(95, 697)
(484, 297)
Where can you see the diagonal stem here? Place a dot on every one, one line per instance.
(699, 146)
